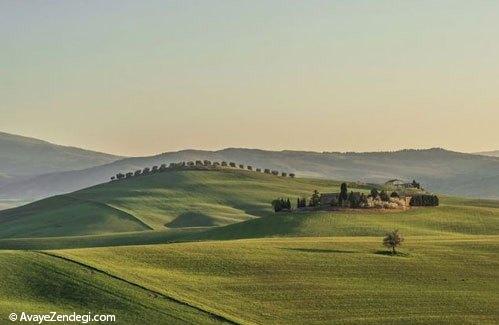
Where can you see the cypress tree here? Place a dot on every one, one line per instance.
(343, 193)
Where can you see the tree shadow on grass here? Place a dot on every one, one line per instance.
(389, 253)
(318, 250)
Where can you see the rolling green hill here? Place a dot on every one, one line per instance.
(454, 218)
(438, 279)
(38, 283)
(443, 220)
(176, 199)
(204, 247)
(147, 210)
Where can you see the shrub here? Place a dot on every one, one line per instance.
(283, 174)
(374, 193)
(138, 172)
(259, 170)
(146, 171)
(113, 178)
(415, 184)
(266, 171)
(249, 167)
(128, 175)
(199, 163)
(399, 202)
(224, 163)
(292, 175)
(162, 168)
(424, 200)
(207, 163)
(394, 194)
(384, 196)
(392, 240)
(275, 172)
(354, 200)
(232, 164)
(154, 169)
(241, 166)
(120, 176)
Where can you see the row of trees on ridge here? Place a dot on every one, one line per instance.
(201, 164)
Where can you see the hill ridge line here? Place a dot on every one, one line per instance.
(165, 296)
(113, 208)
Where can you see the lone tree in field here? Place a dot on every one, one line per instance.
(392, 240)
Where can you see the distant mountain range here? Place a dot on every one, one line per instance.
(494, 153)
(22, 158)
(439, 170)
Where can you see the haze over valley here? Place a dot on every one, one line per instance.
(249, 162)
(37, 169)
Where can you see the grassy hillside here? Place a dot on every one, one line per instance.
(34, 282)
(173, 200)
(286, 268)
(439, 170)
(455, 217)
(438, 279)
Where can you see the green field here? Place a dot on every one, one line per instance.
(246, 265)
(300, 280)
(35, 282)
(167, 200)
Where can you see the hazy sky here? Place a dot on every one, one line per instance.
(143, 77)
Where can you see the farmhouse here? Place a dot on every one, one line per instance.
(397, 183)
(333, 199)
(359, 200)
(329, 199)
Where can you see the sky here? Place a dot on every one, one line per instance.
(144, 77)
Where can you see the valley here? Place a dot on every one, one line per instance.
(206, 247)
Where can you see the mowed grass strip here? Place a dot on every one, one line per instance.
(437, 279)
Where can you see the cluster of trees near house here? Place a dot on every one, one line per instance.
(345, 199)
(424, 200)
(196, 165)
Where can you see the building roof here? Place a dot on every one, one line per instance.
(327, 198)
